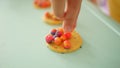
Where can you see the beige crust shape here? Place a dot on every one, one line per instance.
(76, 42)
(36, 7)
(50, 21)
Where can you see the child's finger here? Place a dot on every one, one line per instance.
(71, 15)
(58, 7)
(67, 25)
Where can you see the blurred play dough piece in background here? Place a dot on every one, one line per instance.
(42, 3)
(51, 19)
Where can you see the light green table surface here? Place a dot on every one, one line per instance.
(22, 43)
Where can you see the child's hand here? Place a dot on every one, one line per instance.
(68, 11)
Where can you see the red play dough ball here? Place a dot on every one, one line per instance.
(49, 39)
(48, 15)
(44, 4)
(68, 35)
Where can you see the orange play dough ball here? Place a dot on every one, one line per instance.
(67, 44)
(61, 30)
(63, 37)
(57, 41)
